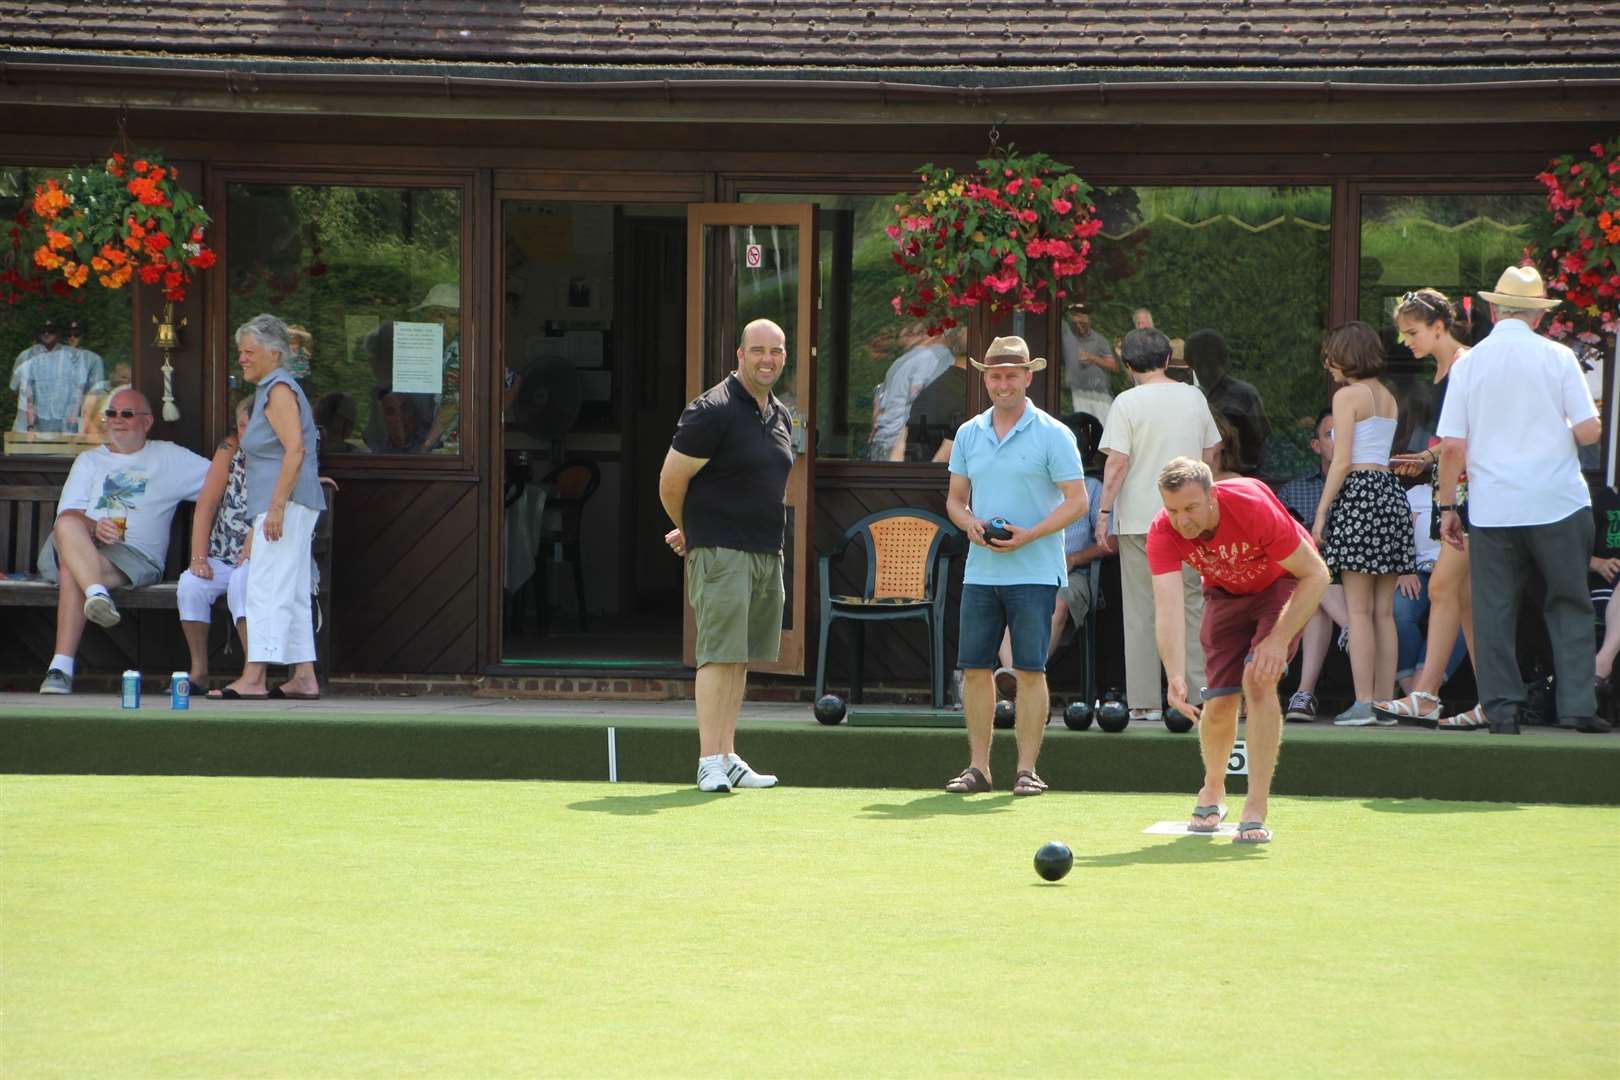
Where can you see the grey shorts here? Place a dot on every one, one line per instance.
(131, 563)
(1077, 594)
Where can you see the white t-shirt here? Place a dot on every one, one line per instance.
(1514, 398)
(1154, 423)
(145, 487)
(1420, 497)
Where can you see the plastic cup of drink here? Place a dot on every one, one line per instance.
(122, 525)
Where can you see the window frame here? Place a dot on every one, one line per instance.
(219, 356)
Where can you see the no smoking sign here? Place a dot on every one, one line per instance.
(754, 256)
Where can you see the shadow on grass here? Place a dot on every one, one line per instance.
(1437, 806)
(1180, 851)
(652, 803)
(944, 804)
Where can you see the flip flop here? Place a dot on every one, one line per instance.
(969, 781)
(227, 694)
(1219, 810)
(288, 695)
(1252, 826)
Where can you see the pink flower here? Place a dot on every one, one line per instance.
(1013, 186)
(893, 231)
(1062, 205)
(1597, 149)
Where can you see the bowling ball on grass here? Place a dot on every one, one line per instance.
(1053, 860)
(1077, 716)
(1006, 714)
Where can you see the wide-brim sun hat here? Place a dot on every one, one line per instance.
(446, 295)
(1010, 351)
(1520, 287)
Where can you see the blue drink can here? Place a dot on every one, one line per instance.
(131, 698)
(180, 690)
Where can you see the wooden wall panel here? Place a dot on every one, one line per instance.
(406, 569)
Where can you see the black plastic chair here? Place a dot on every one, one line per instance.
(571, 485)
(908, 571)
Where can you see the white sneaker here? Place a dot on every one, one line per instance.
(742, 775)
(711, 773)
(1360, 714)
(99, 609)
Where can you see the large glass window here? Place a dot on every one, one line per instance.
(1237, 278)
(369, 281)
(885, 389)
(62, 349)
(1456, 243)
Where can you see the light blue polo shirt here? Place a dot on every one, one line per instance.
(1016, 478)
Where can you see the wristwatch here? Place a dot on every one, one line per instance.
(1446, 506)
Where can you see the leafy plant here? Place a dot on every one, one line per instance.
(1579, 248)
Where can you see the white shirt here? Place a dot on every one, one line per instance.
(1420, 497)
(1514, 398)
(143, 487)
(1153, 423)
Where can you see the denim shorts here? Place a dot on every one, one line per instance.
(987, 610)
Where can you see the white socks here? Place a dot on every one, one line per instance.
(64, 664)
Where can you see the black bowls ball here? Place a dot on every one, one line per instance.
(1054, 860)
(1113, 716)
(1006, 714)
(1077, 716)
(830, 709)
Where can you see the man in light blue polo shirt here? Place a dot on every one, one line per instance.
(1017, 463)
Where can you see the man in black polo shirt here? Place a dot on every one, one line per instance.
(723, 485)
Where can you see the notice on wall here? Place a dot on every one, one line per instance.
(418, 358)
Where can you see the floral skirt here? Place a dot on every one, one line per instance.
(1369, 530)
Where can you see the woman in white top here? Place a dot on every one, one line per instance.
(1363, 524)
(1428, 323)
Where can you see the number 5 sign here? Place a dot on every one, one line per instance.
(1238, 763)
(754, 256)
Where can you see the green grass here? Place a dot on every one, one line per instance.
(279, 927)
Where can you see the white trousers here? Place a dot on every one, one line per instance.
(280, 627)
(195, 596)
(1142, 664)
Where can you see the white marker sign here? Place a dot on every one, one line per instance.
(1238, 763)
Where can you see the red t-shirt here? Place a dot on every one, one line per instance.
(1256, 533)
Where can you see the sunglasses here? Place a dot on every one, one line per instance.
(127, 414)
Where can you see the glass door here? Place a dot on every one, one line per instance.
(746, 262)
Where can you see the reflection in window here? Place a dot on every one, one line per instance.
(1457, 244)
(1237, 278)
(369, 280)
(872, 368)
(62, 349)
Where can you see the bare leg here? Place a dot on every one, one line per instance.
(1060, 617)
(1263, 738)
(1611, 639)
(1447, 586)
(79, 563)
(1314, 643)
(978, 710)
(1385, 658)
(1034, 706)
(196, 634)
(251, 681)
(714, 690)
(1358, 598)
(739, 689)
(1004, 654)
(1334, 604)
(1217, 732)
(302, 680)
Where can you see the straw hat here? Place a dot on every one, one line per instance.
(1521, 287)
(1010, 351)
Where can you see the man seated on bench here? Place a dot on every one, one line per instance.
(112, 525)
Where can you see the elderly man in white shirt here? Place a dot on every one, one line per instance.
(1515, 413)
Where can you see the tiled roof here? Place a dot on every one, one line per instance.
(782, 34)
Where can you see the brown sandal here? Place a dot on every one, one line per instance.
(969, 781)
(1028, 783)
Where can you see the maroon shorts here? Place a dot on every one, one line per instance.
(1233, 625)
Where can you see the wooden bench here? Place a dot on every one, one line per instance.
(28, 513)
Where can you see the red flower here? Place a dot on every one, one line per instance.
(152, 273)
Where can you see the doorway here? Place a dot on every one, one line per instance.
(593, 340)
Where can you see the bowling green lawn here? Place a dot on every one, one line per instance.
(173, 926)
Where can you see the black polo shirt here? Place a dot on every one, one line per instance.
(735, 501)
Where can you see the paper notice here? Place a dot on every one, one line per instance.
(418, 358)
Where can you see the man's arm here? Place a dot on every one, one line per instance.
(1312, 577)
(959, 508)
(673, 480)
(1170, 632)
(1587, 431)
(1212, 457)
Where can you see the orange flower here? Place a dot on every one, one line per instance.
(43, 257)
(140, 165)
(156, 242)
(58, 241)
(101, 265)
(77, 274)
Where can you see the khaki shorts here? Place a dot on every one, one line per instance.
(131, 563)
(737, 598)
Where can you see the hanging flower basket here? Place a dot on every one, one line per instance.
(1014, 236)
(1579, 248)
(109, 224)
